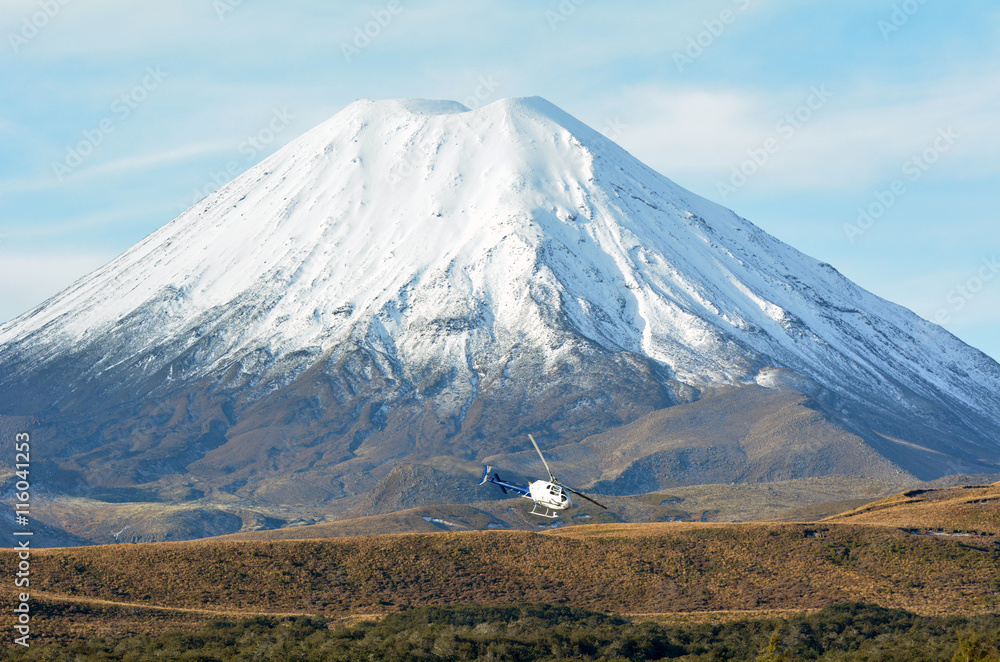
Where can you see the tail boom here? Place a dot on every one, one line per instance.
(494, 478)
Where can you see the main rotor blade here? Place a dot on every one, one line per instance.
(535, 444)
(586, 497)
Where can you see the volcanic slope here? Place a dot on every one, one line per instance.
(413, 279)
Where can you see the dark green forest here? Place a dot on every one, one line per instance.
(850, 631)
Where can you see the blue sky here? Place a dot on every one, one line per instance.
(115, 115)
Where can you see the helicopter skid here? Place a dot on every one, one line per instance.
(551, 514)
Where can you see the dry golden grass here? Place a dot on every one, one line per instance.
(703, 570)
(970, 509)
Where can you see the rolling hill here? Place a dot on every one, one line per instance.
(968, 510)
(668, 569)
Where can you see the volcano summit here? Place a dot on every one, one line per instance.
(413, 280)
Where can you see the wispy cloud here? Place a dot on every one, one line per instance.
(855, 140)
(142, 162)
(50, 273)
(132, 164)
(64, 234)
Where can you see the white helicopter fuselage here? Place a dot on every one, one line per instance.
(549, 495)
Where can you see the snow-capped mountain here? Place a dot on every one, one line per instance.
(414, 279)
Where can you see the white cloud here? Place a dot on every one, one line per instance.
(681, 129)
(65, 233)
(28, 279)
(152, 160)
(855, 140)
(130, 163)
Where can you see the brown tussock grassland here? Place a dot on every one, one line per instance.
(654, 571)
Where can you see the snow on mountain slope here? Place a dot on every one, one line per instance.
(444, 241)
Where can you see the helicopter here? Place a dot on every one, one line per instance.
(550, 496)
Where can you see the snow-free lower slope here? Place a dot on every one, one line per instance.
(410, 264)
